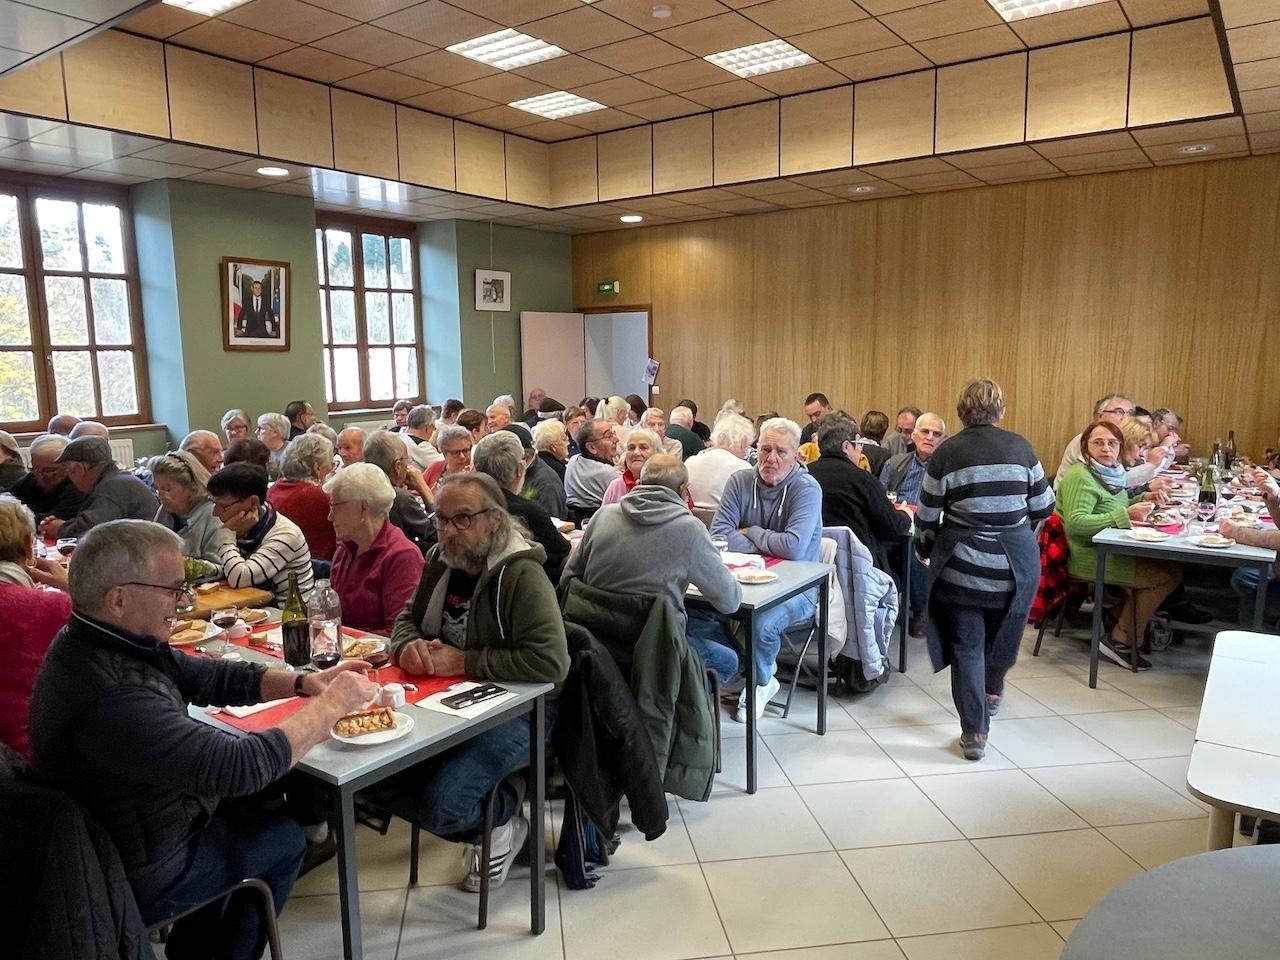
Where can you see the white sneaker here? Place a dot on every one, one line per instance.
(508, 840)
(764, 694)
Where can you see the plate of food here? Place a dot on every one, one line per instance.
(1246, 520)
(1213, 541)
(252, 616)
(750, 575)
(372, 726)
(186, 633)
(1164, 520)
(1147, 534)
(359, 649)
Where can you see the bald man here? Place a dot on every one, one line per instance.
(89, 428)
(205, 446)
(62, 424)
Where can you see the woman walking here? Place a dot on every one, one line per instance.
(983, 491)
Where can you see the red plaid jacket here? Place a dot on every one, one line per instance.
(1054, 589)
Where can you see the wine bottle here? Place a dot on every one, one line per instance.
(293, 627)
(1230, 450)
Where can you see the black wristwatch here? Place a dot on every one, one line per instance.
(297, 685)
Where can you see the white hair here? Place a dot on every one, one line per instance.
(652, 412)
(420, 417)
(548, 433)
(365, 483)
(681, 417)
(611, 408)
(277, 422)
(232, 415)
(304, 455)
(784, 426)
(325, 431)
(942, 424)
(642, 433)
(728, 407)
(48, 440)
(506, 400)
(500, 455)
(733, 432)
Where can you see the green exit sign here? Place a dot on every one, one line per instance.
(608, 286)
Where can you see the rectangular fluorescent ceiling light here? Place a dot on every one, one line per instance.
(207, 8)
(1025, 9)
(556, 106)
(758, 58)
(507, 49)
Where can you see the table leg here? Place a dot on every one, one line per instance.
(904, 613)
(749, 673)
(1260, 598)
(1096, 634)
(1222, 829)
(348, 882)
(824, 610)
(538, 816)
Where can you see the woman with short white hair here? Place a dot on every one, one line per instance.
(641, 444)
(501, 456)
(185, 507)
(551, 441)
(299, 494)
(376, 568)
(235, 425)
(273, 431)
(709, 471)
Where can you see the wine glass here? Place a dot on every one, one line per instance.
(378, 655)
(224, 618)
(66, 546)
(324, 647)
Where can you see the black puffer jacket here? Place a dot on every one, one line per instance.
(603, 747)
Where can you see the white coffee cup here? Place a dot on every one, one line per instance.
(238, 631)
(393, 695)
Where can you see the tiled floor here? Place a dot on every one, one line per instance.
(875, 842)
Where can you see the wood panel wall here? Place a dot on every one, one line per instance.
(1163, 283)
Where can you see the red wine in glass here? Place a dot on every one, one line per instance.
(325, 660)
(378, 659)
(224, 623)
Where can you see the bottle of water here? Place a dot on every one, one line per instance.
(324, 614)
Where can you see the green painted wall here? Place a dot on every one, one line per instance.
(184, 230)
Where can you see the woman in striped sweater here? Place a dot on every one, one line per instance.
(982, 492)
(257, 547)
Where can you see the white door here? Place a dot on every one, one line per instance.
(552, 355)
(617, 349)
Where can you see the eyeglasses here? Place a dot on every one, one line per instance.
(929, 433)
(459, 521)
(1124, 411)
(182, 594)
(227, 505)
(464, 451)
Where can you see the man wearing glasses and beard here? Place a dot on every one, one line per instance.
(484, 608)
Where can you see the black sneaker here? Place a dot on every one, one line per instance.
(1121, 654)
(993, 704)
(974, 745)
(318, 853)
(1188, 612)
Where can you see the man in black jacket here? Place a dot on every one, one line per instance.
(45, 488)
(852, 497)
(109, 724)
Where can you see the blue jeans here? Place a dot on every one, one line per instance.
(710, 639)
(1245, 583)
(445, 795)
(238, 842)
(919, 577)
(709, 630)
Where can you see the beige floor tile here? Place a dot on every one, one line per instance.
(896, 706)
(628, 915)
(1047, 742)
(876, 813)
(1172, 772)
(1052, 662)
(672, 847)
(1064, 927)
(772, 823)
(1016, 704)
(1138, 734)
(1152, 844)
(384, 862)
(998, 803)
(310, 926)
(936, 888)
(812, 901)
(1187, 716)
(1062, 874)
(873, 950)
(840, 755)
(1162, 688)
(922, 751)
(441, 921)
(1072, 694)
(1028, 942)
(733, 776)
(803, 718)
(1107, 794)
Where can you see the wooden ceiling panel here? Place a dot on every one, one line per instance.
(846, 40)
(314, 64)
(1177, 73)
(505, 12)
(445, 69)
(882, 63)
(1216, 149)
(639, 13)
(1144, 13)
(1258, 74)
(619, 91)
(1076, 146)
(1243, 13)
(598, 121)
(688, 74)
(893, 118)
(372, 45)
(715, 34)
(728, 94)
(970, 45)
(567, 72)
(387, 84)
(580, 29)
(1104, 160)
(981, 104)
(1260, 101)
(436, 23)
(228, 39)
(786, 18)
(1091, 21)
(1000, 156)
(163, 21)
(941, 18)
(1078, 88)
(504, 88)
(451, 103)
(814, 76)
(290, 19)
(637, 54)
(664, 108)
(1258, 42)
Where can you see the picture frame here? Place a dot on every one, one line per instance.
(266, 326)
(493, 290)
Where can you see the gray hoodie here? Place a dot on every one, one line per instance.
(649, 544)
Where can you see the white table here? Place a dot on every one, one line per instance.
(341, 770)
(1178, 550)
(1235, 762)
(794, 578)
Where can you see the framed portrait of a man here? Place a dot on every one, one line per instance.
(255, 304)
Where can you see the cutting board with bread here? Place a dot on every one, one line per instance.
(214, 596)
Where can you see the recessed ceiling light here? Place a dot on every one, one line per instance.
(758, 58)
(864, 188)
(661, 12)
(632, 218)
(1025, 9)
(1196, 148)
(507, 49)
(556, 105)
(207, 8)
(273, 171)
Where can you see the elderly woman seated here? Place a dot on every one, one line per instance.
(376, 567)
(1092, 498)
(299, 493)
(454, 443)
(31, 614)
(273, 431)
(185, 508)
(501, 456)
(551, 441)
(642, 443)
(235, 425)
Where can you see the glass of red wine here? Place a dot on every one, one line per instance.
(224, 618)
(378, 655)
(66, 546)
(324, 649)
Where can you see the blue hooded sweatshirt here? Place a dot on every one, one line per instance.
(784, 520)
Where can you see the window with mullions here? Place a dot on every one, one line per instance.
(69, 323)
(369, 312)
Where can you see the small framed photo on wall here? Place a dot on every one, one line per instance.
(255, 304)
(493, 290)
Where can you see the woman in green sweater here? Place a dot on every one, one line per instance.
(1092, 498)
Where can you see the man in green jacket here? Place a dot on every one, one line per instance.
(484, 607)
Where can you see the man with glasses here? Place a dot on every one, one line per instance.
(484, 608)
(45, 488)
(590, 472)
(387, 452)
(1114, 408)
(257, 546)
(109, 492)
(109, 723)
(901, 477)
(903, 425)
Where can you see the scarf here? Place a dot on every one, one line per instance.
(14, 573)
(1113, 477)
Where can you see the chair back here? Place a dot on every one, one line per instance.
(705, 514)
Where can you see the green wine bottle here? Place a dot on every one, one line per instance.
(294, 627)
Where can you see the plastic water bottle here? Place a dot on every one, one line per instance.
(324, 615)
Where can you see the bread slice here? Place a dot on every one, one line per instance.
(365, 721)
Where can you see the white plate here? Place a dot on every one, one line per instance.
(404, 723)
(750, 576)
(1212, 542)
(1146, 534)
